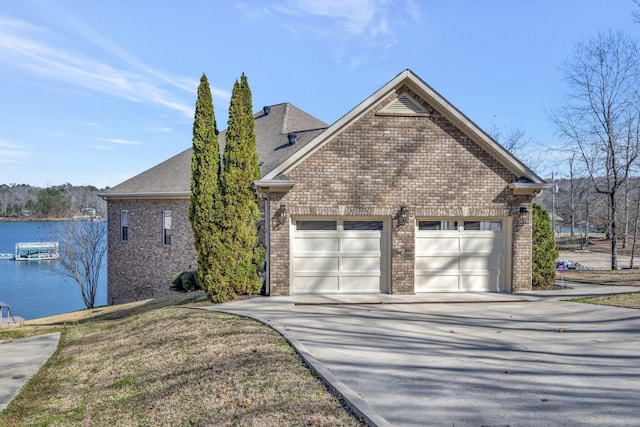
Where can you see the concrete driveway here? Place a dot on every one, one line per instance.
(468, 359)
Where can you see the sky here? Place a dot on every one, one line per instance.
(95, 92)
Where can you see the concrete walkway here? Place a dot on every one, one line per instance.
(524, 359)
(20, 359)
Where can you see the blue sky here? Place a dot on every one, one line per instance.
(95, 92)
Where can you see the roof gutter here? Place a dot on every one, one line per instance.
(159, 195)
(529, 187)
(274, 185)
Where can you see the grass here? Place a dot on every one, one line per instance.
(155, 363)
(598, 243)
(604, 277)
(608, 278)
(630, 300)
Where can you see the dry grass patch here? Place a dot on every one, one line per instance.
(175, 366)
(631, 300)
(604, 277)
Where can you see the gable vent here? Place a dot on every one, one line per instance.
(404, 105)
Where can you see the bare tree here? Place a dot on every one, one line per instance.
(601, 117)
(83, 245)
(516, 141)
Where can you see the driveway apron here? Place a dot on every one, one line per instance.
(527, 361)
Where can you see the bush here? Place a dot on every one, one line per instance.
(544, 248)
(185, 282)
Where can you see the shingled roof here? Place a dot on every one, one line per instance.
(172, 178)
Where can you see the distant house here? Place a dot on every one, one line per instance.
(404, 194)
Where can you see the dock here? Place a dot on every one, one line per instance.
(35, 251)
(8, 318)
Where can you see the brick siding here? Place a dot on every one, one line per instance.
(142, 267)
(381, 162)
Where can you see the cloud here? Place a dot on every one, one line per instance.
(11, 152)
(363, 28)
(121, 141)
(29, 48)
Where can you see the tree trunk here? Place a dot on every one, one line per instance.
(614, 236)
(635, 233)
(626, 215)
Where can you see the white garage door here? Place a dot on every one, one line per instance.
(339, 256)
(460, 256)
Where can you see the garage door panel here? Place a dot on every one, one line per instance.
(349, 256)
(460, 258)
(437, 263)
(481, 244)
(303, 244)
(478, 282)
(361, 243)
(362, 264)
(431, 242)
(433, 282)
(316, 264)
(474, 262)
(317, 284)
(361, 284)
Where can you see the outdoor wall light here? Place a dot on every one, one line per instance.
(281, 215)
(403, 215)
(523, 215)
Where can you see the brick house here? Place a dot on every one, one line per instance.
(404, 194)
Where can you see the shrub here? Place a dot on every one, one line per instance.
(544, 248)
(185, 282)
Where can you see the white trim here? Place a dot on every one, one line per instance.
(528, 187)
(274, 185)
(267, 244)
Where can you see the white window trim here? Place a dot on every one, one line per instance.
(124, 215)
(165, 215)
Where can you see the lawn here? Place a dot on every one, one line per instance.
(173, 365)
(608, 278)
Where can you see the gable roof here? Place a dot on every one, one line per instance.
(172, 178)
(528, 180)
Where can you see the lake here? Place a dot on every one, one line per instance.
(32, 288)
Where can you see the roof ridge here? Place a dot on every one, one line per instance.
(284, 117)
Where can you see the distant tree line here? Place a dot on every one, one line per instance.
(60, 201)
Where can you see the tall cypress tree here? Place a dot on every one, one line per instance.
(241, 205)
(205, 209)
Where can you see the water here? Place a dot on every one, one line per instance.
(32, 288)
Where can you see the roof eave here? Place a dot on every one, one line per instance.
(528, 187)
(274, 185)
(150, 195)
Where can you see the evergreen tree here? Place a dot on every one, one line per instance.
(240, 199)
(544, 251)
(205, 209)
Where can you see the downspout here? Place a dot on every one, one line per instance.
(267, 243)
